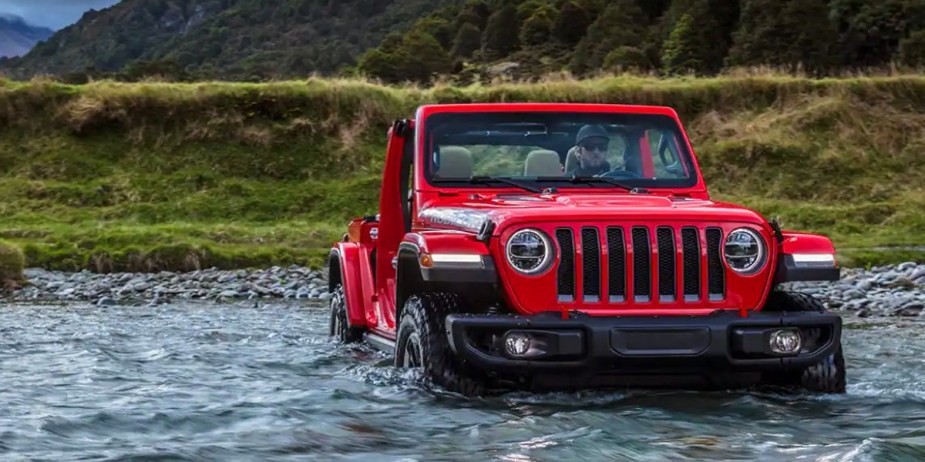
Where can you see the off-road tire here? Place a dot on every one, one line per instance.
(339, 327)
(422, 342)
(826, 376)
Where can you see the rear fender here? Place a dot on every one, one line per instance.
(806, 257)
(344, 268)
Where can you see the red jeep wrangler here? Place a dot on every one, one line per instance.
(551, 246)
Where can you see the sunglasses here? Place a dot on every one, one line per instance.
(595, 146)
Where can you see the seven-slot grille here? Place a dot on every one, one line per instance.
(631, 251)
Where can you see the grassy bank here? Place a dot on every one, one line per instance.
(168, 176)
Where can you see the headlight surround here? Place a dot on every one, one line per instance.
(529, 251)
(744, 251)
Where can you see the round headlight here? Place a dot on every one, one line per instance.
(529, 251)
(744, 250)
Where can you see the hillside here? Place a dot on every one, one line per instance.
(157, 176)
(525, 39)
(17, 37)
(234, 39)
(477, 40)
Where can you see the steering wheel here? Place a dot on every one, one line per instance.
(619, 174)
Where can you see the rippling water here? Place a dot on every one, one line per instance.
(233, 382)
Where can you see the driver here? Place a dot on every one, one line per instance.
(591, 146)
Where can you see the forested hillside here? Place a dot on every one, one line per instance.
(418, 40)
(536, 37)
(219, 39)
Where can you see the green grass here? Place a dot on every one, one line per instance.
(157, 176)
(174, 246)
(12, 263)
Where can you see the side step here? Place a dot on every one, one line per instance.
(379, 342)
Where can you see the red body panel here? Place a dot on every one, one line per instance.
(446, 241)
(805, 243)
(353, 281)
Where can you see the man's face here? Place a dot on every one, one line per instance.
(592, 151)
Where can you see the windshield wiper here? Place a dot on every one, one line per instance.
(603, 179)
(489, 179)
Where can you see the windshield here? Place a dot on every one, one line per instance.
(541, 149)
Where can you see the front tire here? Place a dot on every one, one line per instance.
(422, 342)
(339, 327)
(826, 376)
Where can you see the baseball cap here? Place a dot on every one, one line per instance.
(590, 131)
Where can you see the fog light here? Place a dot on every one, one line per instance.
(517, 344)
(786, 341)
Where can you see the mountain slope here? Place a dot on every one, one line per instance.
(17, 37)
(224, 38)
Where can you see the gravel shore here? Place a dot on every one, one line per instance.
(894, 290)
(294, 282)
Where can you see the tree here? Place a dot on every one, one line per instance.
(571, 23)
(812, 35)
(785, 33)
(682, 53)
(621, 24)
(425, 57)
(377, 63)
(468, 41)
(440, 28)
(536, 29)
(870, 32)
(912, 49)
(626, 57)
(654, 8)
(475, 12)
(530, 8)
(417, 57)
(501, 33)
(697, 35)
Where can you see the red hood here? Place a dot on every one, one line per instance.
(469, 212)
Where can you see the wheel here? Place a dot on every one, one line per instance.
(339, 326)
(828, 375)
(422, 342)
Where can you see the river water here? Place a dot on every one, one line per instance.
(207, 381)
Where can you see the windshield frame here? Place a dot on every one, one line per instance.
(434, 122)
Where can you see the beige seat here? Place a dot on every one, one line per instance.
(455, 162)
(542, 162)
(571, 161)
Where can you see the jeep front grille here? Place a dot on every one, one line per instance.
(641, 267)
(616, 266)
(631, 262)
(591, 264)
(666, 278)
(691, 249)
(566, 276)
(716, 281)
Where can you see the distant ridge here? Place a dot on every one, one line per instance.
(17, 37)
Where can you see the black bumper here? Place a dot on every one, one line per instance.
(722, 341)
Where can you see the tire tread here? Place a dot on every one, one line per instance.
(426, 313)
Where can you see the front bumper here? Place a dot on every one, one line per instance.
(722, 341)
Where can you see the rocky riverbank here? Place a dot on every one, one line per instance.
(895, 290)
(892, 290)
(292, 282)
